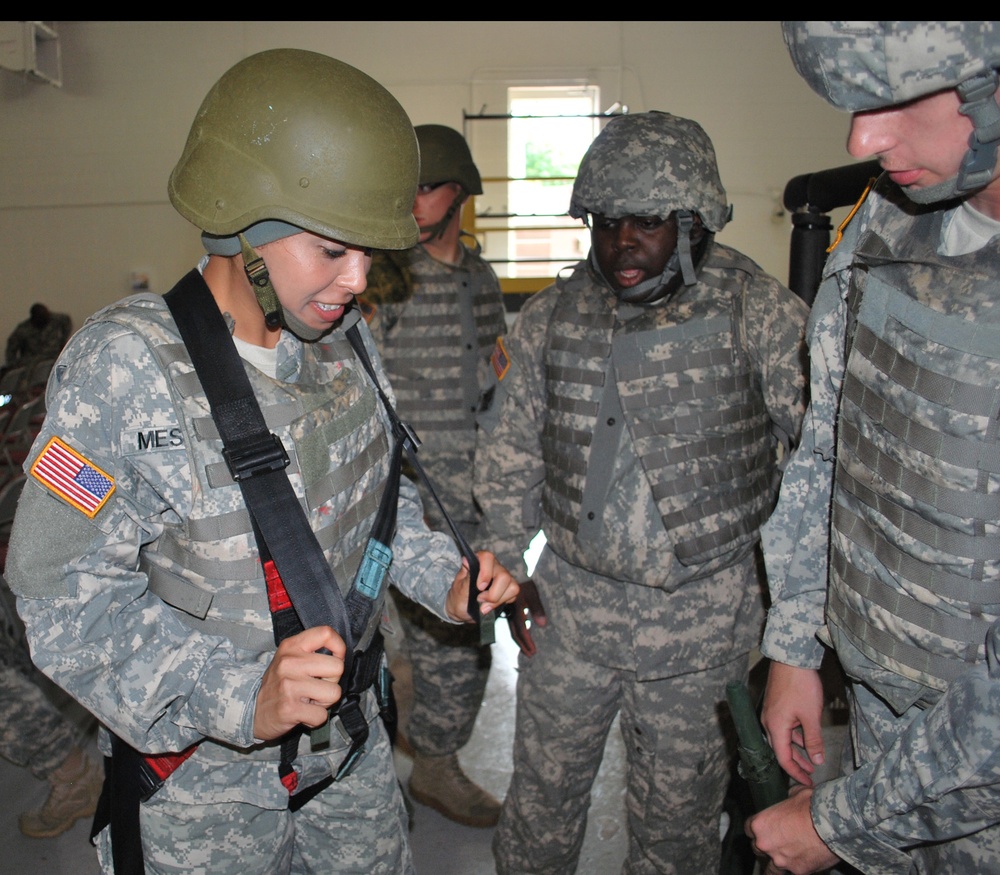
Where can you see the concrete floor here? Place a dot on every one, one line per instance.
(440, 847)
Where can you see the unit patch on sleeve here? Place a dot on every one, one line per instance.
(500, 360)
(74, 479)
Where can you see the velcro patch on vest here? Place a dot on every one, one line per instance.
(500, 360)
(73, 478)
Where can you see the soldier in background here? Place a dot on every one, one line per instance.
(905, 346)
(639, 406)
(39, 337)
(435, 312)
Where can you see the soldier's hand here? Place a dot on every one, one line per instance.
(527, 612)
(793, 704)
(300, 685)
(496, 587)
(784, 833)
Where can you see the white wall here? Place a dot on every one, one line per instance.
(84, 168)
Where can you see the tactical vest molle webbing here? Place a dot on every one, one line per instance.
(207, 567)
(915, 559)
(688, 397)
(434, 352)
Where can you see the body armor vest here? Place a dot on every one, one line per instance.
(915, 557)
(207, 567)
(689, 399)
(437, 349)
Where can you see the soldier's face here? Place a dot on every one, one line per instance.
(316, 278)
(920, 143)
(633, 248)
(431, 203)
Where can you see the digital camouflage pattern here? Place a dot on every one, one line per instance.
(859, 65)
(678, 765)
(33, 733)
(623, 610)
(146, 670)
(340, 830)
(435, 325)
(651, 164)
(921, 788)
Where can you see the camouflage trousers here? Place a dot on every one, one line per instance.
(677, 763)
(450, 666)
(875, 727)
(450, 670)
(357, 826)
(34, 734)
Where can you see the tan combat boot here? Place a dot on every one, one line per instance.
(76, 786)
(440, 783)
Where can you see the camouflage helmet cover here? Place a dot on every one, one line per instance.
(300, 138)
(651, 164)
(862, 65)
(445, 157)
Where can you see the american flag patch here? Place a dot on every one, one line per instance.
(72, 477)
(500, 360)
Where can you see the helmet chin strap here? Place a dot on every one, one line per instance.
(976, 171)
(679, 270)
(274, 314)
(438, 228)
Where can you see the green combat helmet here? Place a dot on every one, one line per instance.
(445, 157)
(655, 164)
(863, 65)
(290, 140)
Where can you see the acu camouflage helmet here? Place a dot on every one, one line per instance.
(445, 157)
(303, 139)
(651, 164)
(865, 65)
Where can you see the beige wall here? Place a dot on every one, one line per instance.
(84, 167)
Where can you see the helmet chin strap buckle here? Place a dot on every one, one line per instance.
(980, 106)
(260, 280)
(685, 222)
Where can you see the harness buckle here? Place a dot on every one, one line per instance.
(256, 456)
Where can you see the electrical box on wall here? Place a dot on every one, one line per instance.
(31, 47)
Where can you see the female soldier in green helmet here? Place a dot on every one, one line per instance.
(145, 559)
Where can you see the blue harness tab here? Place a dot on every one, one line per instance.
(374, 564)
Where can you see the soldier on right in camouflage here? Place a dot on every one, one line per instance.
(636, 420)
(884, 544)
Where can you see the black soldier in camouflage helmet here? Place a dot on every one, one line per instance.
(639, 406)
(900, 572)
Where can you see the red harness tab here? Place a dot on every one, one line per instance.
(277, 595)
(291, 781)
(164, 765)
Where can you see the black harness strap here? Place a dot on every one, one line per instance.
(406, 437)
(257, 461)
